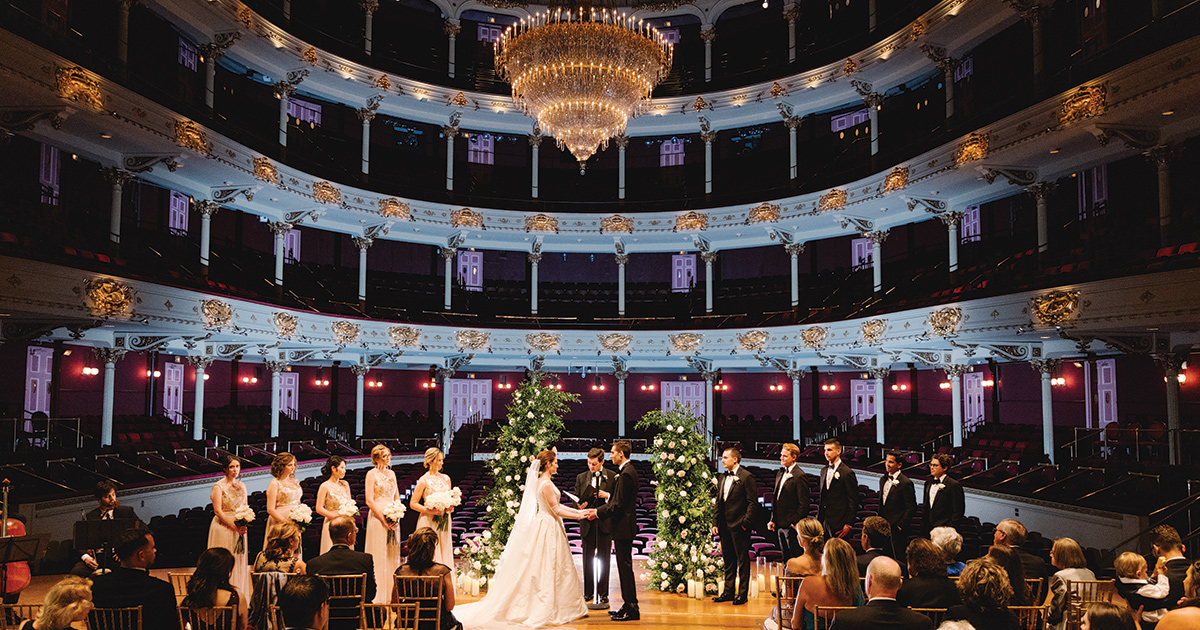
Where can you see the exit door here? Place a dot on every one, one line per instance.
(862, 399)
(469, 396)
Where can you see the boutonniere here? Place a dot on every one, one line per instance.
(837, 475)
(941, 486)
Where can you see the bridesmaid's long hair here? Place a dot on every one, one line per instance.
(333, 462)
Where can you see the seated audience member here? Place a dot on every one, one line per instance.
(67, 602)
(985, 594)
(1007, 557)
(1107, 616)
(1141, 590)
(836, 585)
(282, 552)
(927, 586)
(1165, 544)
(108, 508)
(209, 585)
(1011, 533)
(131, 584)
(1191, 584)
(950, 542)
(876, 541)
(421, 546)
(811, 536)
(1066, 556)
(882, 611)
(1186, 617)
(304, 601)
(342, 559)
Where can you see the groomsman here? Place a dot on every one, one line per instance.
(737, 494)
(945, 502)
(897, 503)
(621, 508)
(593, 486)
(791, 501)
(839, 493)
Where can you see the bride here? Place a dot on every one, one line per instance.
(536, 583)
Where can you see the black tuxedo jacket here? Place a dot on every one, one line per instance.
(125, 588)
(839, 502)
(622, 507)
(342, 560)
(587, 494)
(121, 511)
(881, 614)
(864, 560)
(901, 504)
(736, 511)
(948, 509)
(790, 503)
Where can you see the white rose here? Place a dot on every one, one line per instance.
(665, 584)
(679, 567)
(683, 443)
(488, 509)
(682, 520)
(671, 445)
(661, 496)
(670, 427)
(529, 415)
(532, 440)
(704, 475)
(670, 472)
(514, 454)
(683, 493)
(508, 477)
(666, 514)
(487, 533)
(689, 484)
(682, 473)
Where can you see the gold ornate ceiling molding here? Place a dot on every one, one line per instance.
(896, 180)
(345, 332)
(832, 200)
(217, 314)
(466, 217)
(616, 223)
(325, 192)
(393, 208)
(543, 342)
(615, 342)
(108, 298)
(472, 339)
(75, 84)
(404, 336)
(541, 223)
(945, 321)
(691, 222)
(872, 331)
(265, 171)
(814, 337)
(754, 340)
(1055, 307)
(190, 136)
(975, 147)
(1086, 102)
(686, 342)
(764, 212)
(286, 324)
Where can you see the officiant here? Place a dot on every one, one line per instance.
(593, 487)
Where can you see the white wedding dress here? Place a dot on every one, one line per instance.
(536, 583)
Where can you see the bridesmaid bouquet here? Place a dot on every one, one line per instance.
(348, 509)
(443, 501)
(242, 517)
(392, 514)
(301, 515)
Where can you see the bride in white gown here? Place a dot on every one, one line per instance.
(536, 583)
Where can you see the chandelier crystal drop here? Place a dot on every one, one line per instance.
(582, 74)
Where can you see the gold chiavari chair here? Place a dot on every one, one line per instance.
(423, 590)
(788, 586)
(213, 618)
(115, 618)
(936, 615)
(1030, 617)
(826, 614)
(179, 583)
(345, 596)
(1081, 594)
(392, 616)
(276, 617)
(12, 614)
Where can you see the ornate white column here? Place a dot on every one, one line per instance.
(952, 220)
(791, 13)
(451, 132)
(877, 238)
(448, 253)
(708, 33)
(444, 375)
(206, 210)
(954, 372)
(123, 7)
(792, 122)
(211, 53)
(451, 28)
(360, 373)
(1046, 368)
(369, 8)
(1161, 156)
(710, 380)
(201, 364)
(794, 250)
(275, 367)
(622, 142)
(709, 257)
(622, 260)
(363, 243)
(279, 229)
(874, 102)
(1171, 364)
(708, 136)
(366, 115)
(284, 91)
(117, 178)
(947, 65)
(1041, 191)
(879, 374)
(621, 376)
(535, 144)
(109, 356)
(1031, 13)
(796, 376)
(534, 258)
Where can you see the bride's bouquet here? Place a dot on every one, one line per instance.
(443, 501)
(301, 515)
(242, 517)
(392, 514)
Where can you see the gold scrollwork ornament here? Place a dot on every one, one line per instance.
(945, 321)
(345, 332)
(542, 342)
(472, 339)
(814, 337)
(217, 314)
(754, 340)
(285, 324)
(872, 330)
(615, 342)
(616, 223)
(404, 336)
(109, 298)
(686, 342)
(1055, 307)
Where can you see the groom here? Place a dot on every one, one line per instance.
(621, 509)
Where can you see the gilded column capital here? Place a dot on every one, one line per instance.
(708, 135)
(955, 370)
(1161, 155)
(622, 259)
(108, 355)
(535, 139)
(277, 366)
(795, 375)
(792, 123)
(279, 228)
(444, 373)
(707, 35)
(794, 249)
(951, 219)
(362, 242)
(622, 140)
(1045, 367)
(205, 208)
(534, 257)
(1042, 190)
(116, 176)
(791, 13)
(448, 252)
(879, 372)
(451, 27)
(1029, 10)
(360, 370)
(709, 257)
(1171, 362)
(450, 131)
(365, 114)
(369, 6)
(285, 89)
(877, 237)
(710, 375)
(201, 362)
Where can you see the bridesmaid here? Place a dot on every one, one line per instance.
(382, 493)
(283, 493)
(430, 482)
(229, 494)
(332, 495)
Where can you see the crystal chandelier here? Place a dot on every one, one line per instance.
(582, 74)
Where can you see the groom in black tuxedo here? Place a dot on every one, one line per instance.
(621, 510)
(592, 486)
(737, 494)
(791, 501)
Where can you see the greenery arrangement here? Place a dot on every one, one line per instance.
(533, 422)
(684, 549)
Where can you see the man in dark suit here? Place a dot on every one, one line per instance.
(882, 612)
(621, 509)
(1011, 533)
(876, 536)
(945, 502)
(131, 584)
(897, 502)
(791, 501)
(342, 559)
(596, 534)
(304, 600)
(737, 494)
(108, 509)
(839, 493)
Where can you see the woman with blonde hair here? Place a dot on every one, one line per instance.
(836, 585)
(1067, 556)
(68, 601)
(282, 551)
(381, 494)
(283, 493)
(811, 536)
(434, 481)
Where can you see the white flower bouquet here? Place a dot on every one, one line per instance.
(348, 509)
(443, 501)
(392, 514)
(242, 517)
(301, 515)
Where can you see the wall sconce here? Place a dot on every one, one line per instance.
(944, 385)
(899, 388)
(430, 384)
(775, 386)
(720, 386)
(206, 376)
(374, 383)
(597, 384)
(829, 387)
(504, 384)
(647, 385)
(321, 381)
(155, 373)
(554, 384)
(989, 383)
(88, 368)
(1058, 380)
(250, 379)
